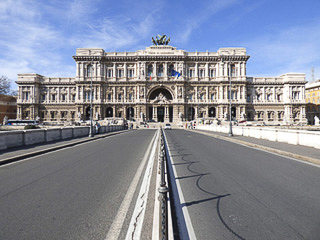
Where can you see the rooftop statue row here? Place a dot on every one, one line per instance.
(162, 40)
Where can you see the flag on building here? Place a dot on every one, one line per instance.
(174, 73)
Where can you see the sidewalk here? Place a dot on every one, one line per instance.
(303, 153)
(18, 153)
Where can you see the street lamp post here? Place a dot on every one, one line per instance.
(230, 115)
(198, 107)
(91, 134)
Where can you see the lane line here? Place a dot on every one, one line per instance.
(135, 226)
(118, 221)
(185, 225)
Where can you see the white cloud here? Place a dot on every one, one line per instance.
(294, 49)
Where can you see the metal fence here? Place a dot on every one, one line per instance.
(163, 191)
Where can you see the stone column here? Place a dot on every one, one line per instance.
(165, 69)
(196, 70)
(154, 115)
(207, 72)
(154, 72)
(114, 70)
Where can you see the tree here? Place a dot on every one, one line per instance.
(5, 86)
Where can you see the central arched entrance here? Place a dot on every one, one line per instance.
(160, 109)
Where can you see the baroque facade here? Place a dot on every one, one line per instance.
(162, 84)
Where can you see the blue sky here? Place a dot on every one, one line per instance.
(42, 36)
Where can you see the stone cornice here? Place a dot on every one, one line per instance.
(234, 58)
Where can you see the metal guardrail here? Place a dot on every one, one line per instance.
(163, 192)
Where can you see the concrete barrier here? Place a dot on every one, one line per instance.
(295, 137)
(18, 138)
(34, 136)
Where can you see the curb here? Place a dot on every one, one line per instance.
(39, 152)
(269, 149)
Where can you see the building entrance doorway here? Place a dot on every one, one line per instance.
(87, 117)
(160, 114)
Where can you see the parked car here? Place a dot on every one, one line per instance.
(167, 126)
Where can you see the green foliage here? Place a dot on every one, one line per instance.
(30, 127)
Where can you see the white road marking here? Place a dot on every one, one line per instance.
(118, 221)
(135, 226)
(185, 212)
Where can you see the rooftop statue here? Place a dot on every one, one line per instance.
(161, 40)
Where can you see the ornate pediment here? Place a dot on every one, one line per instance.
(160, 99)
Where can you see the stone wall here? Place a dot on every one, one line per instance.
(296, 137)
(9, 139)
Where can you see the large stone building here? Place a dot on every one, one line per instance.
(313, 101)
(8, 107)
(162, 83)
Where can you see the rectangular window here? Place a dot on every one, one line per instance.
(73, 97)
(53, 97)
(72, 115)
(26, 95)
(233, 70)
(191, 73)
(63, 97)
(52, 114)
(120, 73)
(62, 114)
(109, 96)
(201, 73)
(119, 96)
(43, 97)
(130, 73)
(212, 72)
(130, 96)
(110, 73)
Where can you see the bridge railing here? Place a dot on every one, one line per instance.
(163, 191)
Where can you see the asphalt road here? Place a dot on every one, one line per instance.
(236, 192)
(73, 193)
